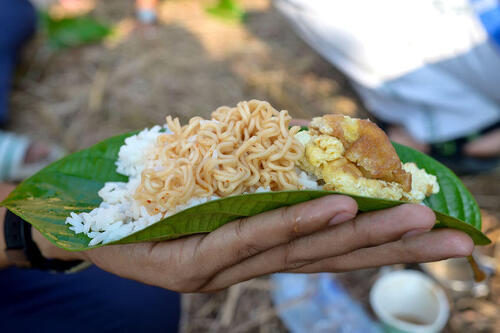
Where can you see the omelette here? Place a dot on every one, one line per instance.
(355, 156)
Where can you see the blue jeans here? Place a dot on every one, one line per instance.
(17, 24)
(89, 301)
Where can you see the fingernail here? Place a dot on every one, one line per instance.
(414, 232)
(341, 217)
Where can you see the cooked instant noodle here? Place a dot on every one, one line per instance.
(240, 150)
(245, 149)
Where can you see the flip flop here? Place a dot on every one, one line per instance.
(13, 150)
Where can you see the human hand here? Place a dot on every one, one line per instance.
(316, 236)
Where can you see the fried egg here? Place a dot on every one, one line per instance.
(354, 156)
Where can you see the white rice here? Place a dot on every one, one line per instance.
(307, 181)
(119, 215)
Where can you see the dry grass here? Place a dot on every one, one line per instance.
(188, 65)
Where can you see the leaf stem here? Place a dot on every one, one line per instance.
(479, 275)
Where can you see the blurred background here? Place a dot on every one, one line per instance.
(99, 68)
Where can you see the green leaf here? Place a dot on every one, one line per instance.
(71, 185)
(72, 31)
(228, 10)
(454, 205)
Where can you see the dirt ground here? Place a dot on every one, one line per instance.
(188, 65)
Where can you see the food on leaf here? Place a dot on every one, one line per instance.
(245, 149)
(171, 181)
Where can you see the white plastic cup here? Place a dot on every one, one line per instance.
(409, 301)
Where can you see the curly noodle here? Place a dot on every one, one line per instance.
(239, 150)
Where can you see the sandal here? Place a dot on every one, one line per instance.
(13, 149)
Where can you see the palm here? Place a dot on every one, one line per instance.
(316, 236)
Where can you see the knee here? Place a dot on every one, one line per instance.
(17, 22)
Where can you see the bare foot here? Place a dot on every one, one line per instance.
(36, 152)
(486, 146)
(400, 135)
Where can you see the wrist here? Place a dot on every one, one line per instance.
(45, 247)
(5, 189)
(24, 251)
(50, 251)
(4, 260)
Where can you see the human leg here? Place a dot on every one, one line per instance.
(17, 24)
(88, 301)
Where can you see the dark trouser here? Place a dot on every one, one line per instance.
(17, 24)
(88, 301)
